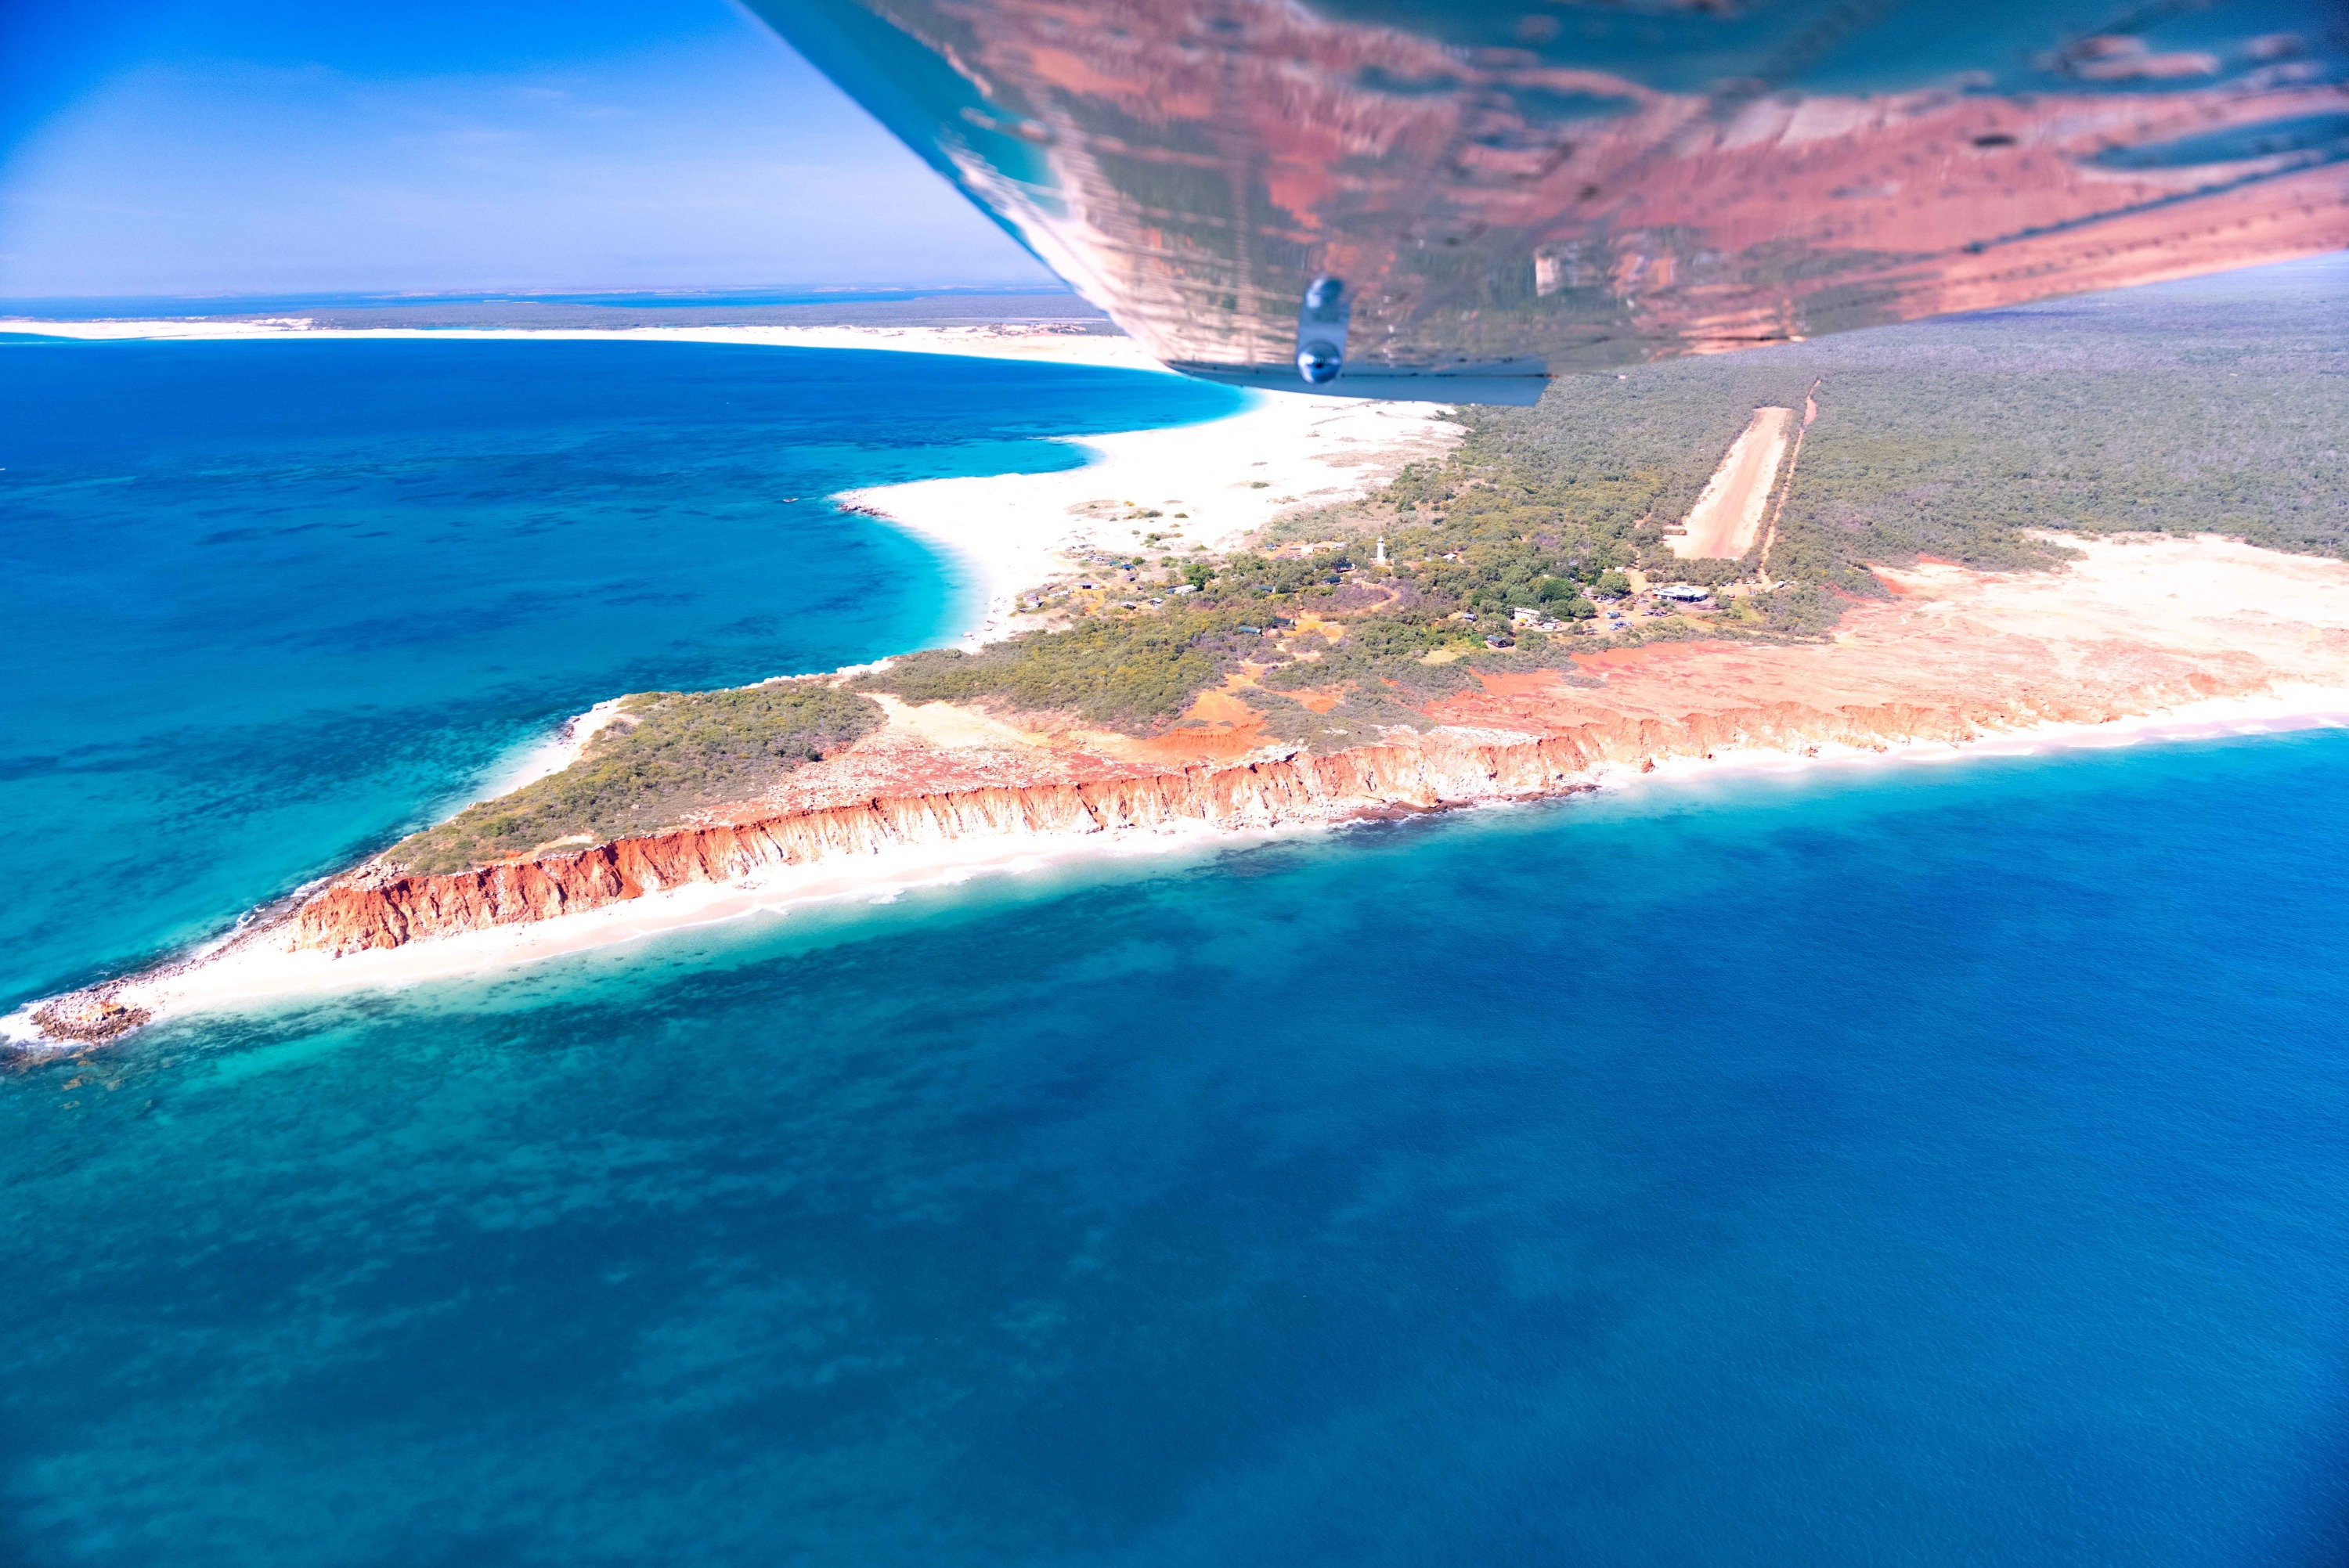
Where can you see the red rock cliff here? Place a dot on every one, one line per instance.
(379, 907)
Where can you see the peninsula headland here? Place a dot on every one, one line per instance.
(1315, 612)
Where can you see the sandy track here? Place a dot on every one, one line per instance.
(1726, 519)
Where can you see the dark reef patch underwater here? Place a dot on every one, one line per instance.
(1893, 1164)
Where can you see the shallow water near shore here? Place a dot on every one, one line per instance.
(1844, 1165)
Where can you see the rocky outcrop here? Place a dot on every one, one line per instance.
(378, 906)
(87, 1018)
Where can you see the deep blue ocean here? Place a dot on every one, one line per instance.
(1906, 1164)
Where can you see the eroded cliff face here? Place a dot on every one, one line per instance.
(379, 907)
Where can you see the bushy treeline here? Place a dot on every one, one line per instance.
(2174, 410)
(669, 754)
(1952, 439)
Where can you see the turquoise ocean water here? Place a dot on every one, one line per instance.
(1892, 1165)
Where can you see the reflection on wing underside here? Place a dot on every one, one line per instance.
(1499, 195)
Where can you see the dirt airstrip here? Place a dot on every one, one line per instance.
(1727, 518)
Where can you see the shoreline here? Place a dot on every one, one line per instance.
(239, 970)
(1955, 663)
(228, 974)
(2212, 718)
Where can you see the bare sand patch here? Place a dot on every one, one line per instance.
(1210, 484)
(1726, 520)
(951, 726)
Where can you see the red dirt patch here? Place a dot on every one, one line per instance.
(1651, 656)
(1221, 706)
(1220, 726)
(1319, 701)
(1518, 683)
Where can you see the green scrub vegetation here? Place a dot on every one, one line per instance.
(1131, 673)
(668, 755)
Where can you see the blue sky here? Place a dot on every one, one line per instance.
(225, 147)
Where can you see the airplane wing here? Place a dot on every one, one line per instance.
(1358, 195)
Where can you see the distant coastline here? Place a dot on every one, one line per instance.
(1062, 342)
(599, 310)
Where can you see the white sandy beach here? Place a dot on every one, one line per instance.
(251, 969)
(1215, 482)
